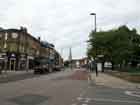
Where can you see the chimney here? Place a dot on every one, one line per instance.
(21, 28)
(39, 38)
(24, 29)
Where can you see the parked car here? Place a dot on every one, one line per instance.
(41, 65)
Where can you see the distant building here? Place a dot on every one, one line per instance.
(78, 62)
(53, 56)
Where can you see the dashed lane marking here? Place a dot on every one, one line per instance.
(79, 98)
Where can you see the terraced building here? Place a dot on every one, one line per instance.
(18, 49)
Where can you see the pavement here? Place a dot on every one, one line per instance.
(113, 82)
(69, 87)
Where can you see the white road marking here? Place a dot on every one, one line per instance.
(132, 93)
(79, 98)
(87, 100)
(109, 100)
(116, 101)
(83, 92)
(74, 104)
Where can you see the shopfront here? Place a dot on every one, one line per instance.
(22, 61)
(30, 62)
(3, 61)
(12, 61)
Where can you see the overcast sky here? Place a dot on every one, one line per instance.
(67, 23)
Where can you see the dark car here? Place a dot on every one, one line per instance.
(41, 65)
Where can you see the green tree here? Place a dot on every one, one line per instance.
(117, 45)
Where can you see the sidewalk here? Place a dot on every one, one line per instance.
(12, 73)
(114, 82)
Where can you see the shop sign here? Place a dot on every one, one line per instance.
(13, 55)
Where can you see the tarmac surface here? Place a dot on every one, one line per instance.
(69, 87)
(12, 76)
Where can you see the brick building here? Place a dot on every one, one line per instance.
(53, 56)
(17, 49)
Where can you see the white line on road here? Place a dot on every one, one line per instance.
(79, 98)
(109, 100)
(117, 101)
(133, 93)
(74, 104)
(87, 100)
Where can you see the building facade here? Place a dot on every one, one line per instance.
(17, 49)
(78, 62)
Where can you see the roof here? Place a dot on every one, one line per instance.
(19, 30)
(13, 30)
(46, 44)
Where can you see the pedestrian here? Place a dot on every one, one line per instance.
(95, 67)
(92, 66)
(96, 70)
(89, 66)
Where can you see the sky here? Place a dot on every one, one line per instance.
(67, 23)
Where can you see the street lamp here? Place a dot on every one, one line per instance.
(94, 14)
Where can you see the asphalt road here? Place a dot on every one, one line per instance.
(11, 77)
(63, 88)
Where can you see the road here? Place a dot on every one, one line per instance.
(63, 88)
(13, 76)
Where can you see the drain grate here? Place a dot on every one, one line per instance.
(29, 99)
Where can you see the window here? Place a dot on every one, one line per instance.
(0, 36)
(14, 35)
(6, 36)
(5, 45)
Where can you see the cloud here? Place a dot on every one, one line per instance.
(67, 23)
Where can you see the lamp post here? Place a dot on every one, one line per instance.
(94, 14)
(95, 25)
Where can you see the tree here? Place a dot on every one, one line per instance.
(117, 45)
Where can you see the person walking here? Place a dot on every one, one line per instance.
(96, 70)
(94, 64)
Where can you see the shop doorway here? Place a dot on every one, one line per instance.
(12, 64)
